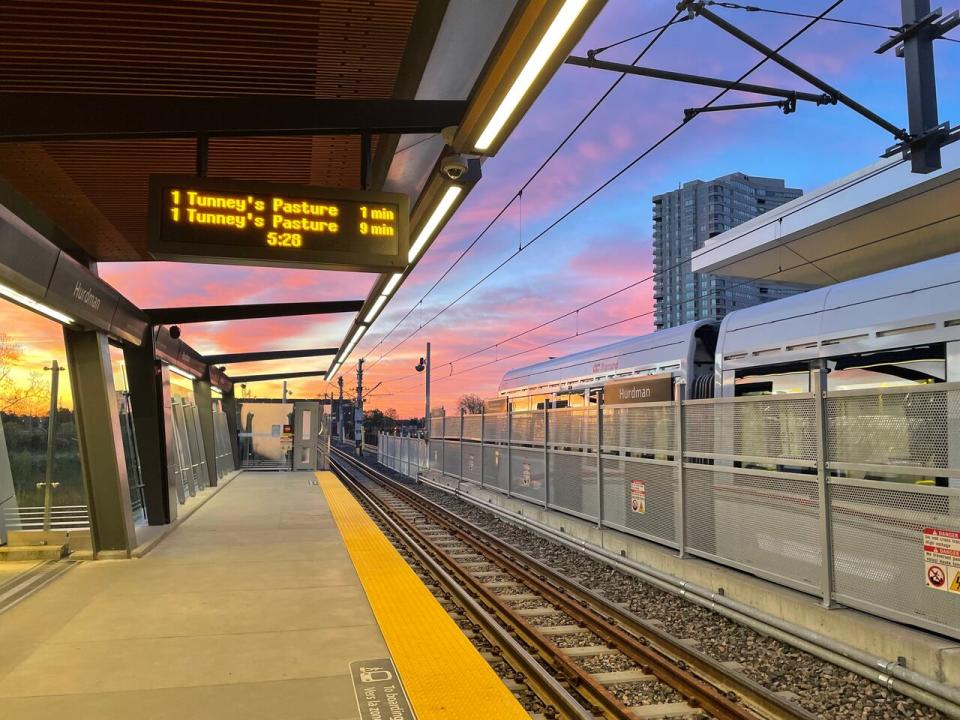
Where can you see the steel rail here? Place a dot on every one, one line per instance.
(544, 685)
(617, 627)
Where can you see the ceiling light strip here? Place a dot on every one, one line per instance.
(430, 227)
(538, 59)
(34, 305)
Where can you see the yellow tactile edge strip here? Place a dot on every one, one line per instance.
(442, 671)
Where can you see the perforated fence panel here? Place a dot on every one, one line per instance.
(527, 473)
(573, 482)
(495, 467)
(764, 522)
(495, 428)
(897, 427)
(878, 544)
(451, 458)
(641, 497)
(404, 467)
(640, 428)
(452, 428)
(471, 427)
(435, 457)
(436, 427)
(573, 428)
(471, 462)
(527, 428)
(779, 427)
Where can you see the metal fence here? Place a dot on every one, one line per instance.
(827, 493)
(406, 455)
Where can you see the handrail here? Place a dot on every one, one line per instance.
(7, 499)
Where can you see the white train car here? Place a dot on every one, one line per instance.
(686, 351)
(898, 327)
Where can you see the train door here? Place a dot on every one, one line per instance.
(306, 431)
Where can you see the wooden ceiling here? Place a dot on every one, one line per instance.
(97, 189)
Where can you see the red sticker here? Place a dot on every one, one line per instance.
(936, 576)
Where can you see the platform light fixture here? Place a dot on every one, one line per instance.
(534, 66)
(392, 283)
(377, 304)
(182, 373)
(34, 305)
(450, 196)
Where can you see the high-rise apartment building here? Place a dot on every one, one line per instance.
(683, 220)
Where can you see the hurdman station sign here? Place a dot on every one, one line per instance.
(643, 389)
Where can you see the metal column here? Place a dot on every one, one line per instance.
(600, 458)
(823, 486)
(509, 451)
(204, 401)
(228, 402)
(679, 430)
(153, 429)
(483, 430)
(460, 475)
(101, 446)
(546, 454)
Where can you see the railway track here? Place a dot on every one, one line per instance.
(582, 655)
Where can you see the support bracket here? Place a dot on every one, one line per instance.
(788, 106)
(936, 29)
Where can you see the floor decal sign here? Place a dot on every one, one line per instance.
(380, 694)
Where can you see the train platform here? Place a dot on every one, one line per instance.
(277, 598)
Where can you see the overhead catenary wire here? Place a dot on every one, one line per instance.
(660, 30)
(599, 189)
(771, 11)
(647, 313)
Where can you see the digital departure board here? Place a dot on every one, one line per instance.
(259, 223)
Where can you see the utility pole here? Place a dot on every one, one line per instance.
(49, 484)
(914, 44)
(426, 413)
(358, 412)
(340, 410)
(284, 391)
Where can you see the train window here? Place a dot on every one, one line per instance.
(912, 366)
(772, 381)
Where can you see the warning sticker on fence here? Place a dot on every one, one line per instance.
(638, 496)
(941, 557)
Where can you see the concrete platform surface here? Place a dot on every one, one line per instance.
(251, 608)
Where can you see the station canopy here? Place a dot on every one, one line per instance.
(878, 218)
(98, 97)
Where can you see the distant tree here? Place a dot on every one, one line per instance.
(391, 413)
(19, 396)
(470, 404)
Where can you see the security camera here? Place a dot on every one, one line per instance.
(454, 166)
(175, 331)
(421, 366)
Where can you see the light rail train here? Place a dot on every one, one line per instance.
(894, 328)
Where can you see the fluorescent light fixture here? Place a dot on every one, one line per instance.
(392, 283)
(357, 334)
(216, 391)
(182, 373)
(443, 207)
(34, 305)
(548, 43)
(377, 304)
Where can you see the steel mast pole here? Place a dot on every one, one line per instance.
(358, 417)
(340, 410)
(51, 440)
(426, 414)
